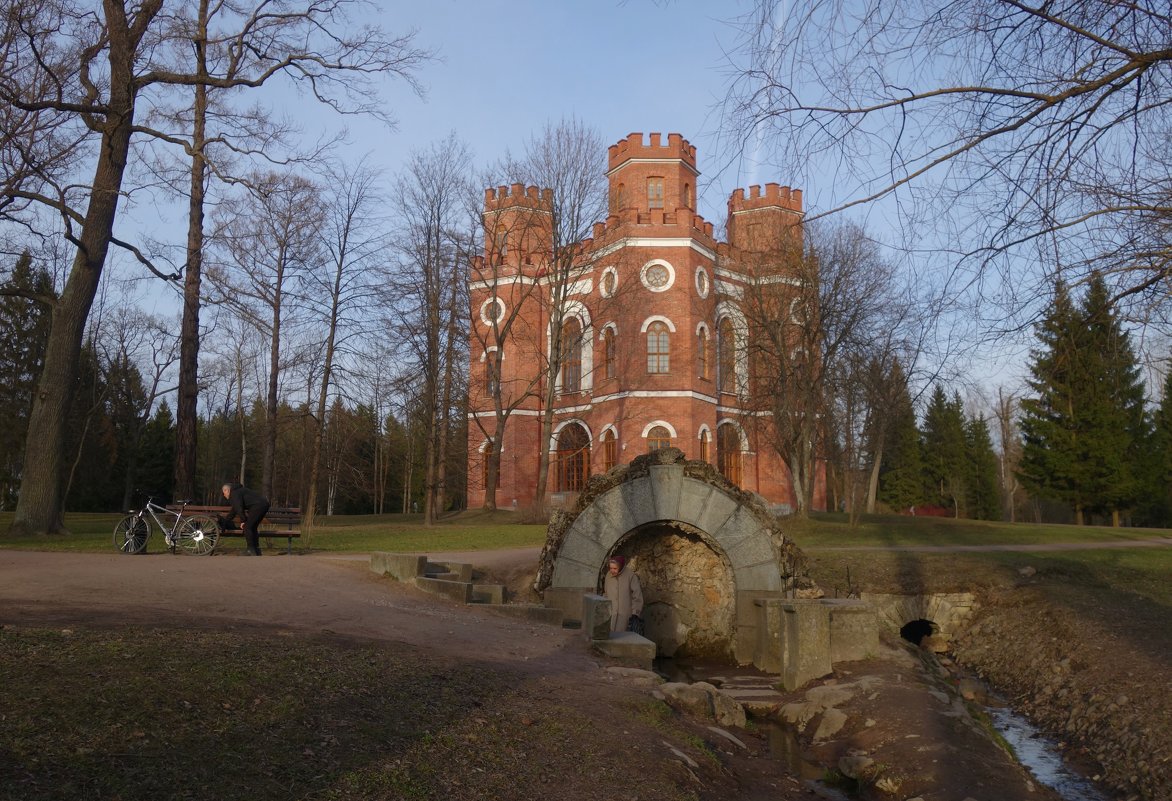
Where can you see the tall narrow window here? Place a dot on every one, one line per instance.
(492, 373)
(658, 348)
(704, 445)
(573, 458)
(726, 356)
(571, 357)
(608, 353)
(487, 462)
(610, 450)
(655, 193)
(658, 437)
(687, 196)
(728, 453)
(502, 242)
(702, 353)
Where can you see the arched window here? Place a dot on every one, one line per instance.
(658, 348)
(609, 368)
(571, 356)
(610, 449)
(728, 453)
(573, 458)
(702, 353)
(655, 192)
(726, 356)
(658, 437)
(704, 445)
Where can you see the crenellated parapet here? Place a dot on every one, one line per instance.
(633, 147)
(774, 196)
(518, 196)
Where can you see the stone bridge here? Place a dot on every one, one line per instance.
(706, 553)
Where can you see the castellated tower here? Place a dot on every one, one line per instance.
(656, 343)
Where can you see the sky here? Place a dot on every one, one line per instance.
(503, 70)
(506, 68)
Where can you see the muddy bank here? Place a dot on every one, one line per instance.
(1099, 684)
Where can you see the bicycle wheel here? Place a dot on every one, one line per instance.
(198, 535)
(130, 535)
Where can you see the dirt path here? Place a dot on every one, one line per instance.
(312, 593)
(1040, 547)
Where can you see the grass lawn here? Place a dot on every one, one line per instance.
(468, 531)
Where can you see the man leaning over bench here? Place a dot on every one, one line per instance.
(250, 508)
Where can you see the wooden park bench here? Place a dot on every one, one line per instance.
(280, 521)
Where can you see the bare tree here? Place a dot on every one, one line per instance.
(1032, 133)
(269, 240)
(819, 310)
(72, 80)
(566, 158)
(353, 241)
(438, 231)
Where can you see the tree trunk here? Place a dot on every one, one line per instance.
(41, 506)
(186, 403)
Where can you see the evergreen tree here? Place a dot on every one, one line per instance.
(1115, 425)
(946, 467)
(1052, 463)
(156, 453)
(984, 492)
(1159, 474)
(1085, 429)
(901, 476)
(24, 331)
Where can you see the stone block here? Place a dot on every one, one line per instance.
(854, 630)
(459, 591)
(614, 517)
(793, 639)
(596, 613)
(665, 482)
(399, 566)
(695, 496)
(566, 599)
(628, 648)
(584, 549)
(572, 573)
(718, 508)
(452, 571)
(640, 502)
(488, 594)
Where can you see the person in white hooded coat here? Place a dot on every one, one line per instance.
(621, 586)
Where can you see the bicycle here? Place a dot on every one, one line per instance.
(195, 534)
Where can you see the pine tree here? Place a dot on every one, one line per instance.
(1051, 463)
(946, 468)
(901, 476)
(24, 331)
(984, 492)
(1159, 473)
(1115, 426)
(1085, 428)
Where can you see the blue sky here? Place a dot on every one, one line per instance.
(506, 68)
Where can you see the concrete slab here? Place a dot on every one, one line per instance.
(629, 648)
(566, 599)
(488, 593)
(596, 612)
(459, 591)
(399, 566)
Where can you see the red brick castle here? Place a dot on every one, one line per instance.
(655, 344)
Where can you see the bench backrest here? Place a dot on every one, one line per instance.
(276, 516)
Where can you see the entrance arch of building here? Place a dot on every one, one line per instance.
(682, 522)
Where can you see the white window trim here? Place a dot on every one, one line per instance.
(707, 288)
(742, 437)
(671, 275)
(741, 335)
(553, 439)
(577, 310)
(602, 282)
(501, 309)
(671, 429)
(657, 318)
(611, 428)
(492, 349)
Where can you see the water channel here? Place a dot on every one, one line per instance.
(1036, 752)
